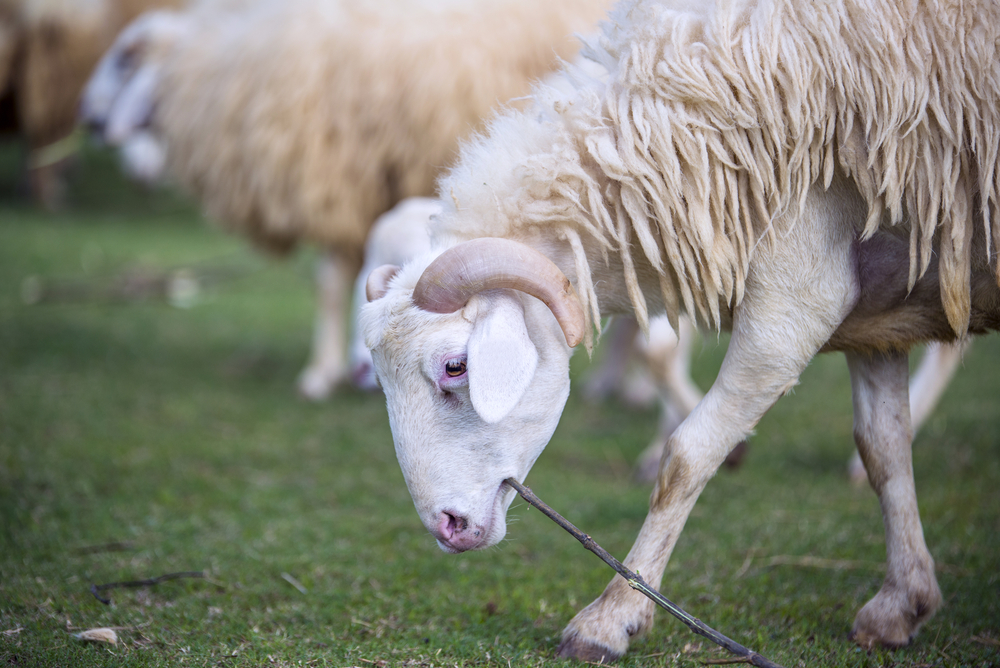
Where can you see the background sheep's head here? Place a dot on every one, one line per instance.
(473, 355)
(118, 102)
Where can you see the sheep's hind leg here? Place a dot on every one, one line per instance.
(882, 430)
(328, 366)
(938, 365)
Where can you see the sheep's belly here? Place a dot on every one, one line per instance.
(888, 316)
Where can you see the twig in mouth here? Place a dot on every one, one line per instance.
(636, 582)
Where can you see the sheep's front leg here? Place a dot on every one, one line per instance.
(797, 293)
(334, 276)
(769, 349)
(748, 384)
(882, 430)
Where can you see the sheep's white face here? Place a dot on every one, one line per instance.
(120, 96)
(473, 398)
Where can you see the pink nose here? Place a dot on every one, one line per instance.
(455, 534)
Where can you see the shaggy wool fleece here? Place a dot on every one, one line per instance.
(715, 120)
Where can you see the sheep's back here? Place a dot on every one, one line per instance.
(308, 120)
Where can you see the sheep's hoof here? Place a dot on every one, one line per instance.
(316, 384)
(575, 647)
(892, 618)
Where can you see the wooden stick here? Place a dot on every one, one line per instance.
(636, 582)
(96, 589)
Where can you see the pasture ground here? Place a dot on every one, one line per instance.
(138, 439)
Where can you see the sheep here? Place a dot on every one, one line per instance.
(47, 51)
(814, 177)
(403, 233)
(331, 113)
(397, 236)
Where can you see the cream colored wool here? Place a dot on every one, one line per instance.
(300, 119)
(716, 121)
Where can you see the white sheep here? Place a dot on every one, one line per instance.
(47, 51)
(814, 176)
(305, 120)
(397, 236)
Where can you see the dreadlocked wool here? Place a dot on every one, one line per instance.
(714, 121)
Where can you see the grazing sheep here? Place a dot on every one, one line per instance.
(397, 236)
(47, 51)
(814, 176)
(305, 120)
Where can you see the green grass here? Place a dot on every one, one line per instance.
(177, 434)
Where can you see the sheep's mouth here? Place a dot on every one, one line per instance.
(498, 525)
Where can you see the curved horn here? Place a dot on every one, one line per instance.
(378, 281)
(489, 264)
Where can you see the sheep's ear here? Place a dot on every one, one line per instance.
(502, 359)
(134, 105)
(377, 283)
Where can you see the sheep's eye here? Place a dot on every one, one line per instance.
(454, 368)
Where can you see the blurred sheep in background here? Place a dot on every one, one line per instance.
(302, 120)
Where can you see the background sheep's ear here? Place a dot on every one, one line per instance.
(502, 359)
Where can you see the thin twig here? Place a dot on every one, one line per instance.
(725, 662)
(116, 546)
(636, 582)
(295, 583)
(94, 589)
(985, 641)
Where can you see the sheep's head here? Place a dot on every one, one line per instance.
(118, 101)
(473, 355)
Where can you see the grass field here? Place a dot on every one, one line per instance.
(138, 439)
